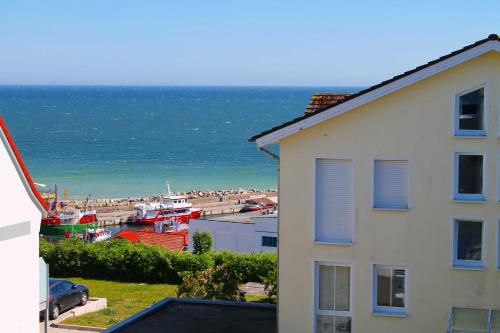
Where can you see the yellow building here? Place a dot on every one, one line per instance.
(390, 203)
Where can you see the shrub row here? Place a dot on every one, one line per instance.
(120, 260)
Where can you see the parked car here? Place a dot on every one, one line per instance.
(64, 295)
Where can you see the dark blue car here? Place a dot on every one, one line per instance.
(64, 295)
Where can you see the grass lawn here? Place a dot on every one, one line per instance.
(126, 299)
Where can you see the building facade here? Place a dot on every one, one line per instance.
(400, 228)
(246, 233)
(21, 207)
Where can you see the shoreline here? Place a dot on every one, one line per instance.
(116, 209)
(193, 196)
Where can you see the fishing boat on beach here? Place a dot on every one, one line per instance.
(67, 222)
(169, 208)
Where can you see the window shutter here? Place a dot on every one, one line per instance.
(334, 196)
(391, 184)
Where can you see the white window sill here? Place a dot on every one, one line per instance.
(333, 243)
(470, 136)
(472, 201)
(469, 267)
(383, 209)
(384, 313)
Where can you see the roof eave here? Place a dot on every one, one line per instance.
(21, 169)
(275, 135)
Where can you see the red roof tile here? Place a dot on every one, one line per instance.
(262, 201)
(175, 241)
(322, 100)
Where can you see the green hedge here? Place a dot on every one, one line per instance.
(120, 260)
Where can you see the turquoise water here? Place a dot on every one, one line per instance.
(127, 141)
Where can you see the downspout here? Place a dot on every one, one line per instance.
(277, 159)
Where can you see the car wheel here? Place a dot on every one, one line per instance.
(84, 298)
(55, 312)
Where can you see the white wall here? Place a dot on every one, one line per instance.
(235, 236)
(19, 304)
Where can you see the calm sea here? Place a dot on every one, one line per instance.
(128, 141)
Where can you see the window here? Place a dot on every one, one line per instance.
(468, 243)
(473, 320)
(334, 201)
(469, 177)
(390, 290)
(390, 184)
(333, 298)
(470, 114)
(269, 241)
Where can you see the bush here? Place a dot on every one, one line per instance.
(120, 260)
(202, 242)
(45, 248)
(271, 283)
(213, 283)
(250, 266)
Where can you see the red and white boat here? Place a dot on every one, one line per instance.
(170, 208)
(70, 217)
(59, 223)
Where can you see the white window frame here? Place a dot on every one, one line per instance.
(456, 113)
(389, 311)
(467, 264)
(408, 185)
(465, 197)
(315, 278)
(313, 207)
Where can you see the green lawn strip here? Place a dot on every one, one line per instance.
(126, 299)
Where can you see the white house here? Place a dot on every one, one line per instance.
(248, 232)
(21, 208)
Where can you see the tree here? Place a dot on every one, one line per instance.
(202, 242)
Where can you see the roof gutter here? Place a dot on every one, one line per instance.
(277, 159)
(268, 153)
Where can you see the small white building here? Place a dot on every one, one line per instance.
(21, 209)
(247, 232)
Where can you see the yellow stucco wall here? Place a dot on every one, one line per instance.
(415, 123)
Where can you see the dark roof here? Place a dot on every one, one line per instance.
(186, 315)
(492, 37)
(322, 100)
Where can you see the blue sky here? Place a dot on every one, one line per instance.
(216, 42)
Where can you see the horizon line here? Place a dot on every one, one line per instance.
(183, 85)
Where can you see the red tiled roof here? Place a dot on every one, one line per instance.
(128, 235)
(322, 100)
(175, 241)
(262, 201)
(26, 174)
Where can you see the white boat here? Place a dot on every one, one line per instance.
(170, 207)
